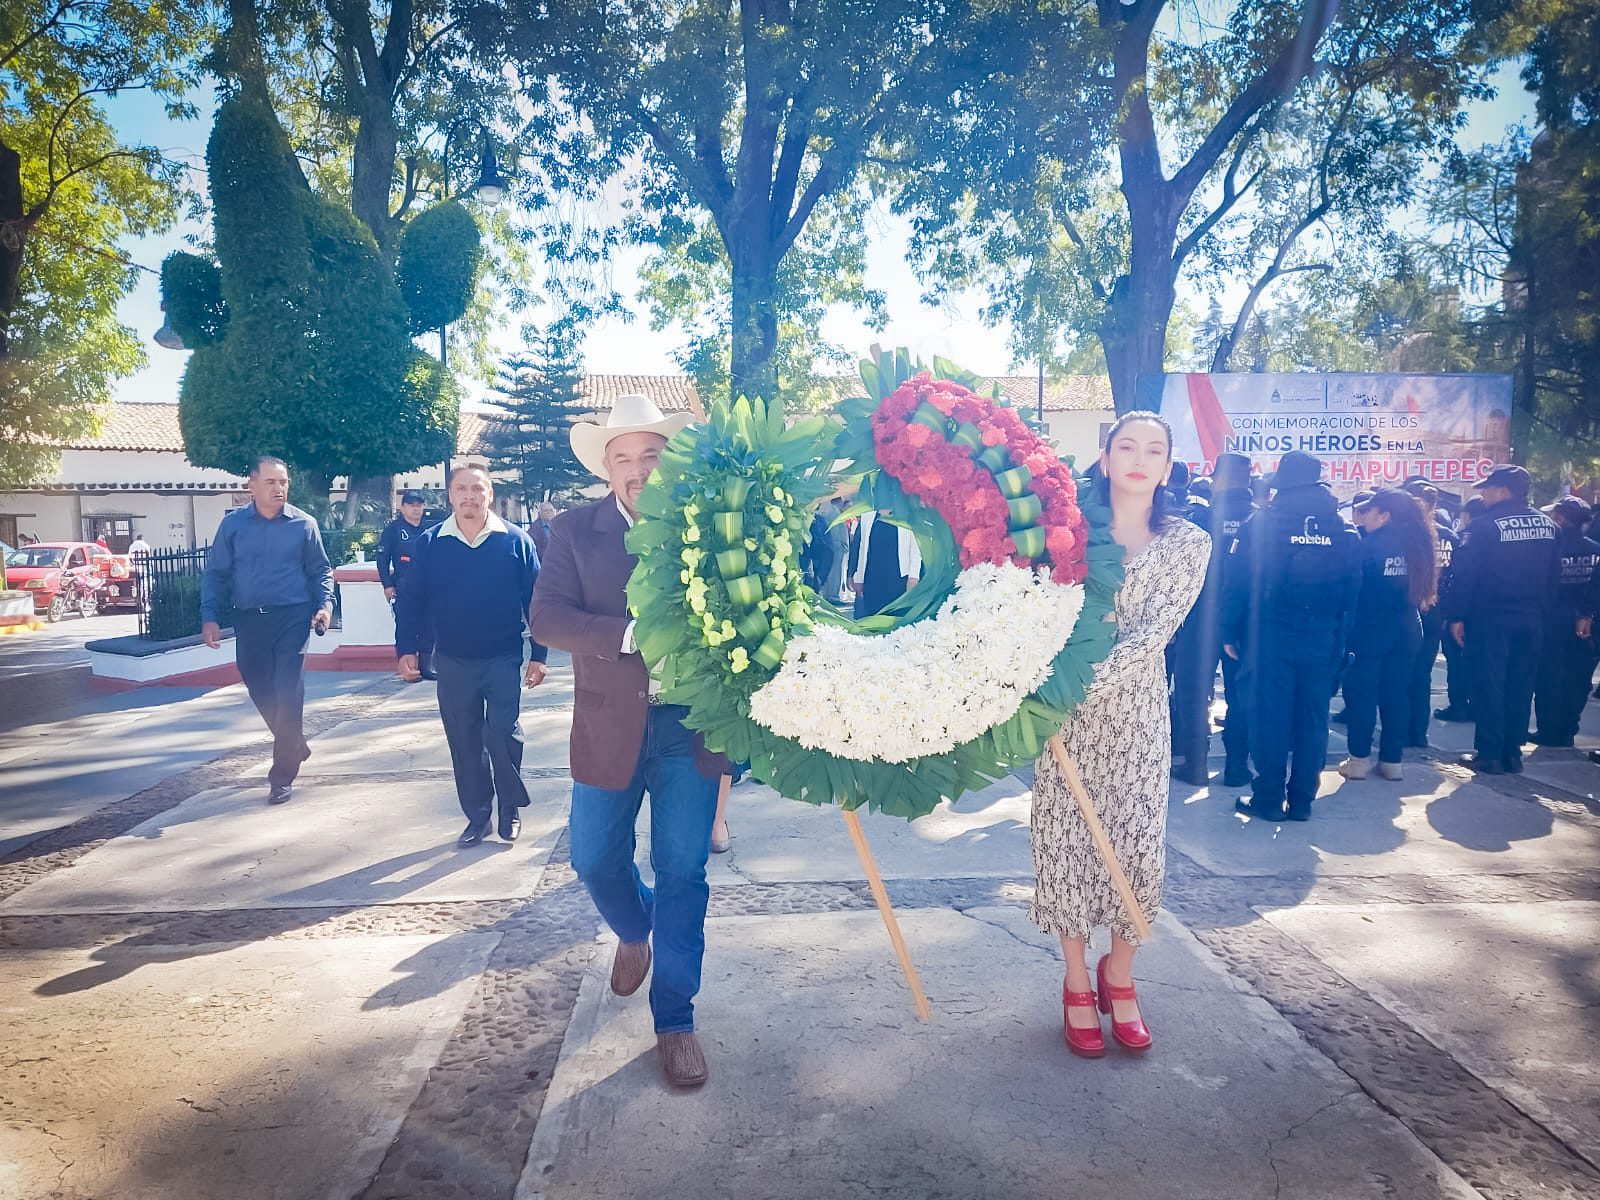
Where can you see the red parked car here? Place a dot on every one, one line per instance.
(47, 569)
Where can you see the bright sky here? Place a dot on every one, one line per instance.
(615, 346)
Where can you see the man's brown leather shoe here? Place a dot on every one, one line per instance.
(630, 967)
(682, 1061)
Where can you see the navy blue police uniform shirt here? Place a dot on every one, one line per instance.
(1508, 565)
(1579, 556)
(396, 547)
(1385, 598)
(1448, 543)
(256, 563)
(1294, 572)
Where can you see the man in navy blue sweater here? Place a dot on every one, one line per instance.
(470, 583)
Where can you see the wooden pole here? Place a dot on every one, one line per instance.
(696, 409)
(1102, 843)
(886, 910)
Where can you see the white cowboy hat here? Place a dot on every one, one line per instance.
(629, 414)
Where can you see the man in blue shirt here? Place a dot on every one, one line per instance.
(267, 562)
(470, 582)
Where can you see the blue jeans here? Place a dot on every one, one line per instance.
(683, 803)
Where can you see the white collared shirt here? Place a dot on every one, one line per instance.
(493, 525)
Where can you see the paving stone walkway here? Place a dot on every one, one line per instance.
(204, 996)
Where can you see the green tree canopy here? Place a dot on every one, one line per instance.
(1232, 139)
(70, 191)
(316, 363)
(750, 113)
(689, 280)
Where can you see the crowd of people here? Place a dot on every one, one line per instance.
(1306, 597)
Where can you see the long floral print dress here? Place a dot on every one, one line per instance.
(1120, 738)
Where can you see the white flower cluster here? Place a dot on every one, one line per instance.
(926, 688)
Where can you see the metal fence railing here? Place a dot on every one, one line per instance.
(171, 592)
(171, 585)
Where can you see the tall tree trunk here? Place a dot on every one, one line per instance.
(244, 51)
(1133, 329)
(13, 239)
(372, 175)
(1133, 334)
(755, 324)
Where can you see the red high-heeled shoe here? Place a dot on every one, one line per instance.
(1130, 1035)
(1085, 1043)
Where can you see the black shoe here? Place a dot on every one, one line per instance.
(1237, 778)
(1482, 766)
(1342, 717)
(1512, 766)
(510, 828)
(1453, 714)
(1297, 812)
(1251, 808)
(473, 834)
(280, 793)
(1194, 778)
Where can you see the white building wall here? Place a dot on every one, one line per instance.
(49, 518)
(140, 466)
(1079, 434)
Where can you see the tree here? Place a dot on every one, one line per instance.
(301, 336)
(1191, 110)
(70, 190)
(1554, 259)
(688, 280)
(750, 113)
(532, 439)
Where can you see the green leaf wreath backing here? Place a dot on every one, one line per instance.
(747, 469)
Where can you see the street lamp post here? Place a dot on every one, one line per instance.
(489, 189)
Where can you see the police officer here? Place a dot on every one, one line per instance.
(1566, 661)
(1506, 574)
(1289, 600)
(1199, 642)
(1432, 618)
(396, 545)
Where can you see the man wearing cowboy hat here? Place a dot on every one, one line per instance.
(625, 743)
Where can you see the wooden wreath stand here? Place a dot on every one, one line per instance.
(1097, 833)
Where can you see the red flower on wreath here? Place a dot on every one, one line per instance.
(945, 476)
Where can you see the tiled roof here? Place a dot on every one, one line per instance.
(130, 426)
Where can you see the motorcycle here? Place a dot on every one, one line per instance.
(79, 592)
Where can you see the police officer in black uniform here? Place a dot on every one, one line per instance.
(1566, 662)
(1432, 618)
(396, 545)
(1506, 574)
(1199, 641)
(1289, 601)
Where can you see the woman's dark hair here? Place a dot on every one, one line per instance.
(1411, 525)
(1161, 507)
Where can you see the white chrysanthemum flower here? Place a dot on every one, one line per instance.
(925, 688)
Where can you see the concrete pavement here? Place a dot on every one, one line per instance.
(201, 995)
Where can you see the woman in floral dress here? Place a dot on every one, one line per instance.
(1120, 739)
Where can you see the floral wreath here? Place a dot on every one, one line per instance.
(957, 681)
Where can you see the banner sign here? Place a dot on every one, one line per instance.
(1370, 431)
